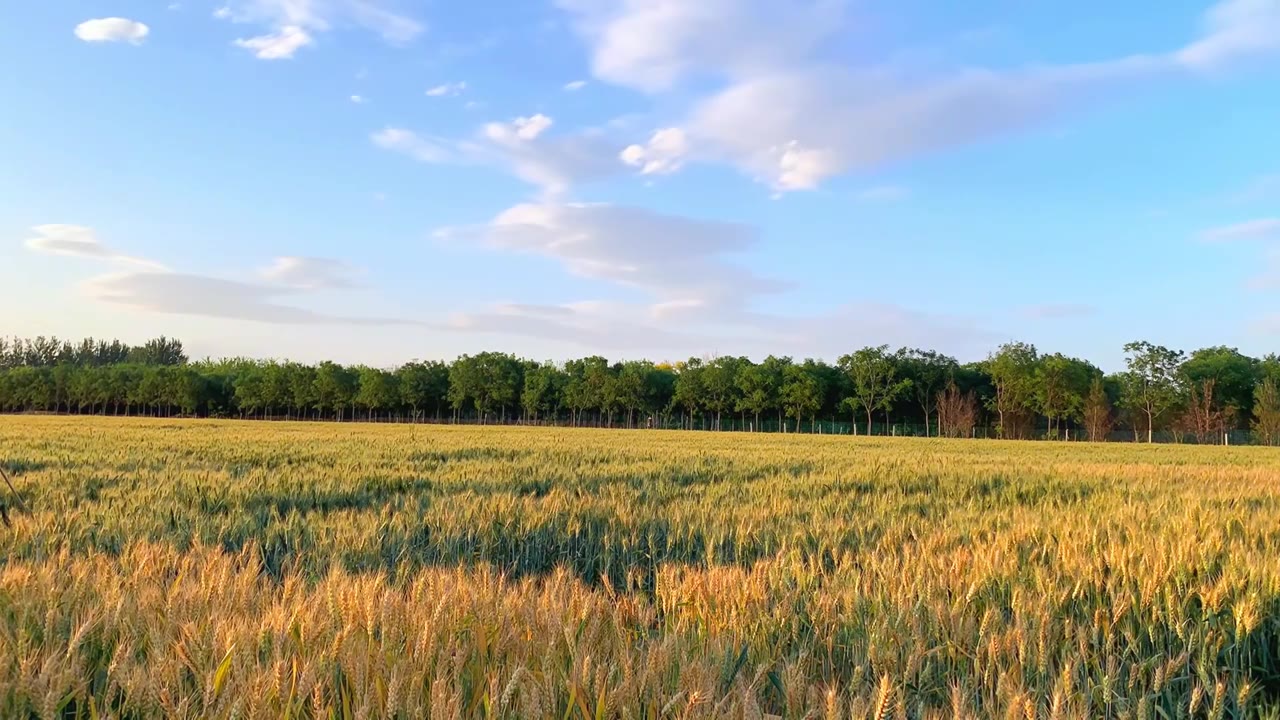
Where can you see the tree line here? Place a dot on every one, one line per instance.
(1208, 396)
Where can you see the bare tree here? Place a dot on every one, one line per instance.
(957, 412)
(1098, 418)
(1204, 417)
(1266, 411)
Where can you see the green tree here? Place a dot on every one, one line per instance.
(302, 388)
(631, 388)
(160, 351)
(802, 391)
(377, 391)
(720, 386)
(1061, 384)
(540, 394)
(122, 380)
(1152, 385)
(758, 387)
(489, 381)
(660, 388)
(928, 372)
(872, 374)
(1234, 376)
(190, 389)
(1012, 368)
(424, 385)
(335, 388)
(585, 385)
(1266, 411)
(689, 389)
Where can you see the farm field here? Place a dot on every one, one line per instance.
(185, 569)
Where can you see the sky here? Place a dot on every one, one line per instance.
(373, 181)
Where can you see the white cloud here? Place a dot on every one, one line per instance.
(113, 29)
(293, 24)
(522, 128)
(557, 163)
(447, 90)
(151, 287)
(310, 273)
(794, 129)
(664, 152)
(205, 296)
(78, 241)
(696, 297)
(359, 99)
(779, 110)
(672, 258)
(1234, 30)
(575, 86)
(1261, 229)
(279, 45)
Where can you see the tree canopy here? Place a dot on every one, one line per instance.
(1017, 392)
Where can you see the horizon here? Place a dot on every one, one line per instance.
(356, 181)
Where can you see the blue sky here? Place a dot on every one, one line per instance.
(374, 181)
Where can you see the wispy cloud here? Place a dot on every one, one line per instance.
(149, 286)
(79, 241)
(696, 292)
(281, 45)
(447, 89)
(525, 145)
(294, 24)
(1260, 229)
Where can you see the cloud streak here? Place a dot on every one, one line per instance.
(150, 287)
(79, 241)
(1260, 229)
(205, 296)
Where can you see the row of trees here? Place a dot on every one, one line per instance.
(1017, 392)
(89, 352)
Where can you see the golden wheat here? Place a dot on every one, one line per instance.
(223, 569)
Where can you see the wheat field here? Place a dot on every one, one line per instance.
(193, 569)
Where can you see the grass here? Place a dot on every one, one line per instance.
(224, 569)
